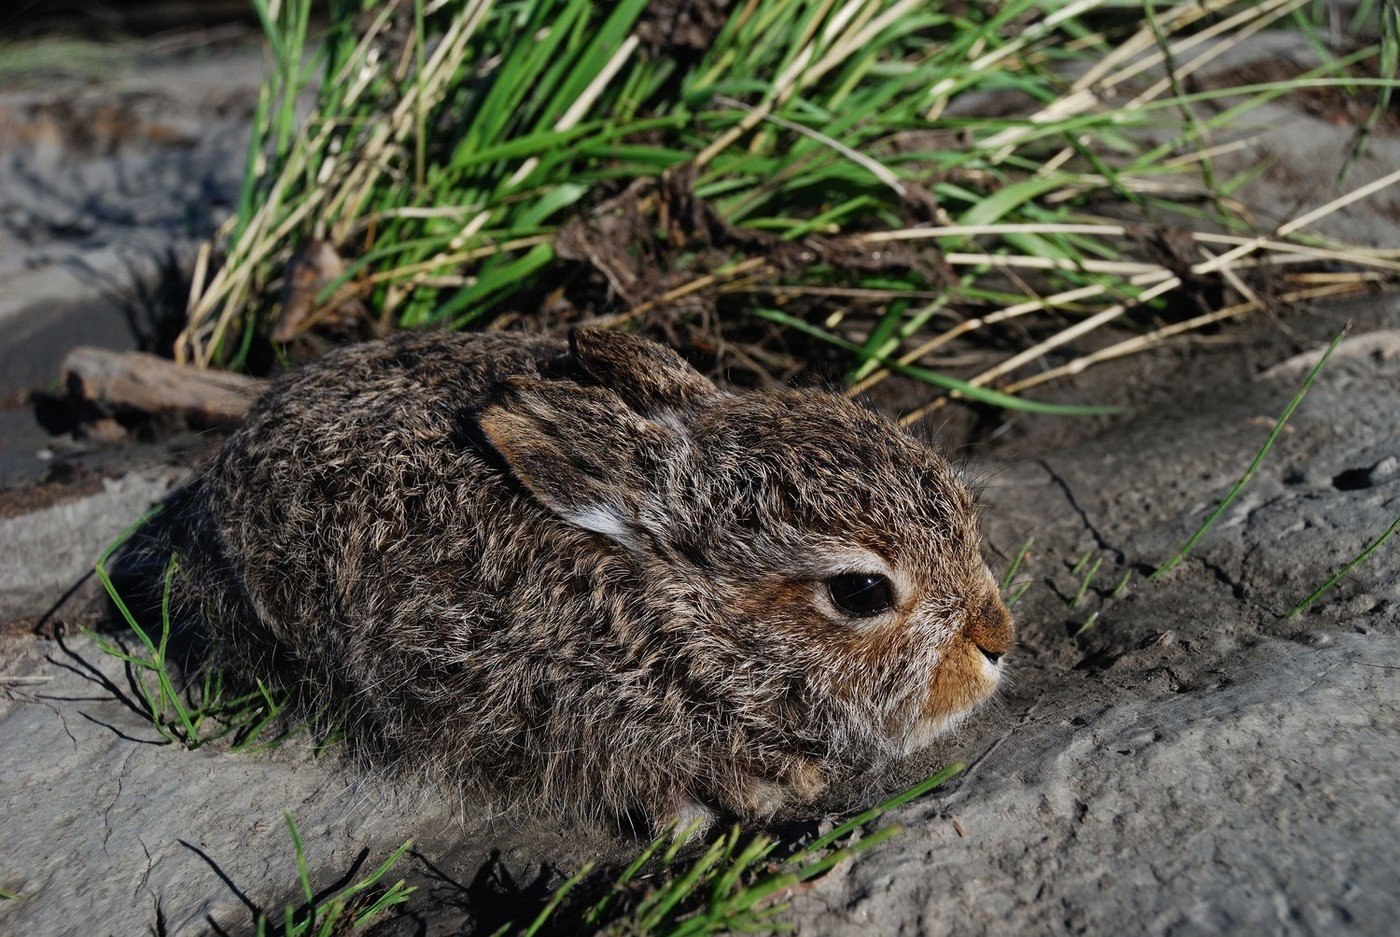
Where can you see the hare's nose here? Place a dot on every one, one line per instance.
(989, 627)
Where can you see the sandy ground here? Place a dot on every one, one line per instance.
(1194, 761)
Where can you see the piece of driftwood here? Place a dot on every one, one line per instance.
(126, 381)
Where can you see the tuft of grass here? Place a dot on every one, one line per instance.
(1090, 570)
(1010, 576)
(815, 172)
(1249, 472)
(353, 907)
(1089, 622)
(1347, 568)
(738, 884)
(190, 714)
(1011, 591)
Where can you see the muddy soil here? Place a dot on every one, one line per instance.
(1177, 757)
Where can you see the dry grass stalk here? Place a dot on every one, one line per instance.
(854, 25)
(340, 187)
(1157, 278)
(743, 267)
(1141, 343)
(1231, 259)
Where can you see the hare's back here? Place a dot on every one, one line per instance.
(362, 471)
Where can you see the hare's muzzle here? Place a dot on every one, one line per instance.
(989, 628)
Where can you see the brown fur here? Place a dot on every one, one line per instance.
(587, 579)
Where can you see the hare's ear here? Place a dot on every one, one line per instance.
(646, 375)
(576, 449)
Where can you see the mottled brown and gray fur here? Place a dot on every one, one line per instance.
(584, 578)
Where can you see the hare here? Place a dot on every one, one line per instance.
(583, 577)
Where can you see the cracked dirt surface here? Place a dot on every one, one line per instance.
(1257, 805)
(117, 831)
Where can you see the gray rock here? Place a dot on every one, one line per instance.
(115, 831)
(1263, 805)
(47, 553)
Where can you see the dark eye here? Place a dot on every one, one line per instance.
(861, 594)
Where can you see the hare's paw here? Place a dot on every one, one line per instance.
(799, 782)
(805, 780)
(685, 819)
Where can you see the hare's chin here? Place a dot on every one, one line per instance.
(931, 727)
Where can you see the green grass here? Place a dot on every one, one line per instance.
(1090, 570)
(853, 200)
(183, 712)
(737, 884)
(1122, 586)
(1011, 592)
(1351, 564)
(351, 908)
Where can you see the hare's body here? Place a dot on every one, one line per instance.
(591, 580)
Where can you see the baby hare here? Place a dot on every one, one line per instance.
(581, 577)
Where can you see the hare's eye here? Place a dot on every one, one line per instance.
(861, 594)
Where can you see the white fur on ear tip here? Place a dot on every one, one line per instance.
(602, 519)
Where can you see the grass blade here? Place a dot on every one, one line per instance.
(1244, 479)
(1341, 573)
(970, 391)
